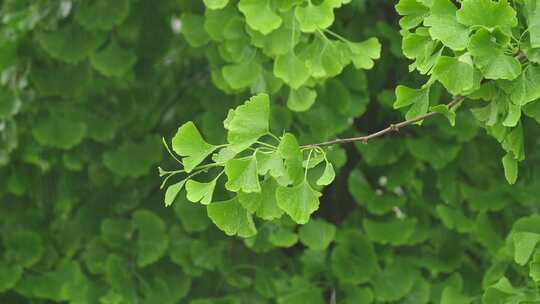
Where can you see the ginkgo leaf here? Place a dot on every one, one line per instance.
(458, 75)
(413, 13)
(113, 60)
(300, 290)
(214, 21)
(101, 14)
(325, 58)
(152, 240)
(526, 87)
(302, 99)
(9, 104)
(532, 12)
(524, 245)
(241, 75)
(513, 142)
(242, 175)
(259, 15)
(317, 234)
(172, 192)
(283, 238)
(133, 159)
(189, 144)
(289, 149)
(443, 109)
(299, 201)
(312, 17)
(24, 247)
(10, 274)
(193, 29)
(394, 282)
(262, 204)
(363, 53)
(328, 175)
(270, 163)
(418, 98)
(291, 69)
(272, 43)
(422, 47)
(491, 59)
(513, 116)
(203, 192)
(395, 232)
(445, 27)
(353, 260)
(510, 165)
(232, 218)
(248, 122)
(70, 43)
(59, 131)
(487, 13)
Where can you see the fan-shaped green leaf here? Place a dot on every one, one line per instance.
(189, 144)
(248, 122)
(134, 159)
(113, 60)
(242, 175)
(70, 43)
(445, 27)
(264, 203)
(101, 14)
(232, 218)
(203, 192)
(299, 201)
(152, 240)
(259, 15)
(487, 13)
(317, 234)
(24, 247)
(302, 99)
(353, 259)
(492, 59)
(291, 69)
(524, 245)
(363, 53)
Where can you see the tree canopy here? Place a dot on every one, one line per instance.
(269, 151)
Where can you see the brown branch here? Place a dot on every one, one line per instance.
(391, 128)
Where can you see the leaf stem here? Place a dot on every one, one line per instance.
(170, 152)
(338, 36)
(307, 163)
(273, 136)
(266, 145)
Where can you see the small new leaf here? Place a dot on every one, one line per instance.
(328, 175)
(189, 144)
(203, 192)
(172, 192)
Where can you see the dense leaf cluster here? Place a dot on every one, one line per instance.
(433, 214)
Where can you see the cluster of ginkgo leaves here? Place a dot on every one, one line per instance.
(267, 179)
(485, 50)
(262, 45)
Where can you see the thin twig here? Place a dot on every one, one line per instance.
(389, 129)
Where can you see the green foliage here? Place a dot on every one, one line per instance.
(239, 93)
